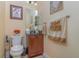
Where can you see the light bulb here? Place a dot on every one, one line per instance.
(35, 4)
(32, 2)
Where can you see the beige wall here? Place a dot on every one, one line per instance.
(7, 25)
(2, 17)
(72, 48)
(11, 24)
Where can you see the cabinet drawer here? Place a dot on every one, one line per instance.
(35, 46)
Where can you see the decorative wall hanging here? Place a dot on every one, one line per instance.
(16, 12)
(58, 31)
(55, 6)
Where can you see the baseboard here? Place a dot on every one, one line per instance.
(45, 55)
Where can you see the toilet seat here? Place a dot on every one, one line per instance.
(16, 50)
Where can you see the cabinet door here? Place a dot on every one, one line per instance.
(35, 45)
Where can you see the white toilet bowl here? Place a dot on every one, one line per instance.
(17, 48)
(16, 51)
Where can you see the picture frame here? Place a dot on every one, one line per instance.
(57, 31)
(16, 12)
(55, 6)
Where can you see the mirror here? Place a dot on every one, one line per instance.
(32, 22)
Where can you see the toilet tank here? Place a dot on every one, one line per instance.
(16, 40)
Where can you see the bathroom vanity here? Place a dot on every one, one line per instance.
(35, 45)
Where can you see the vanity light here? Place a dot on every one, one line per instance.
(32, 3)
(35, 3)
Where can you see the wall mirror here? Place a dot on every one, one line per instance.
(33, 17)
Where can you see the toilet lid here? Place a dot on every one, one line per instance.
(17, 48)
(16, 40)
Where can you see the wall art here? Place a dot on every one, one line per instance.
(55, 6)
(16, 12)
(58, 30)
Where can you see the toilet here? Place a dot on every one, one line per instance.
(17, 48)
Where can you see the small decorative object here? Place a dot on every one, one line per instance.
(55, 6)
(58, 30)
(27, 31)
(17, 31)
(16, 12)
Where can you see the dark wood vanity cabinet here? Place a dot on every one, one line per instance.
(35, 45)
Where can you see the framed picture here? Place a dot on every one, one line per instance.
(57, 31)
(16, 12)
(55, 6)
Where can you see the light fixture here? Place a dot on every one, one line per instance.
(32, 2)
(35, 4)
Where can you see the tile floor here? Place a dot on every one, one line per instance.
(41, 56)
